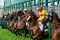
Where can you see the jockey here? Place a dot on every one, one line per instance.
(25, 12)
(42, 12)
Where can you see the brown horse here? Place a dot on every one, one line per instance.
(6, 18)
(20, 23)
(21, 26)
(55, 27)
(10, 22)
(13, 23)
(33, 25)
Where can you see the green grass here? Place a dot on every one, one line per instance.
(46, 39)
(7, 35)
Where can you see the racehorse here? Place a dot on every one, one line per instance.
(55, 27)
(33, 25)
(7, 19)
(10, 21)
(20, 23)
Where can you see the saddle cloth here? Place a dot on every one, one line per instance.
(27, 24)
(41, 27)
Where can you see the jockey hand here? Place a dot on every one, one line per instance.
(38, 21)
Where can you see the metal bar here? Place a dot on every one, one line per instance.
(4, 6)
(34, 2)
(58, 1)
(52, 2)
(30, 4)
(46, 3)
(39, 2)
(22, 5)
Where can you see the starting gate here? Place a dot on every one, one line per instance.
(10, 5)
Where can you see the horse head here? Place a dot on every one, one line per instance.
(32, 19)
(55, 26)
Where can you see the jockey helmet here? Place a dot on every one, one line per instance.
(25, 9)
(40, 8)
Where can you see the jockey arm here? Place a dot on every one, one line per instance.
(42, 15)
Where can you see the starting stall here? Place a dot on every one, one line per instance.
(10, 5)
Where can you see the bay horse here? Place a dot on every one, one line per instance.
(6, 17)
(33, 25)
(55, 27)
(10, 21)
(20, 23)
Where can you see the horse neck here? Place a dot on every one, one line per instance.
(33, 21)
(55, 17)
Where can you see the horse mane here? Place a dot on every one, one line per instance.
(33, 14)
(33, 18)
(56, 18)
